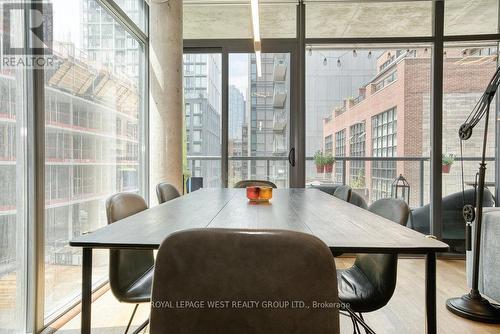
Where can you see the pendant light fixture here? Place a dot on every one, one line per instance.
(254, 5)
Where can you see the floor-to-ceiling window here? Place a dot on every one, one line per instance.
(94, 93)
(468, 66)
(397, 134)
(203, 117)
(375, 102)
(467, 70)
(258, 118)
(94, 135)
(13, 184)
(257, 106)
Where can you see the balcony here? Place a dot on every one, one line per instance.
(280, 69)
(280, 121)
(280, 94)
(419, 174)
(339, 111)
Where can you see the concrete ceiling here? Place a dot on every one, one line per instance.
(231, 18)
(469, 17)
(234, 21)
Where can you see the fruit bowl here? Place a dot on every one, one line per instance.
(259, 194)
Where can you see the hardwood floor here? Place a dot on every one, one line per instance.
(403, 314)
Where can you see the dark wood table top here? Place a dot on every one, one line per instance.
(342, 226)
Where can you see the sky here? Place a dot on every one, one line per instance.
(238, 72)
(68, 21)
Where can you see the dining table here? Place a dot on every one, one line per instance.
(343, 227)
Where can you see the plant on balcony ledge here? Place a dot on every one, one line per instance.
(328, 161)
(319, 161)
(358, 185)
(447, 161)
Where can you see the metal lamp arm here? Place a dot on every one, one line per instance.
(472, 305)
(481, 107)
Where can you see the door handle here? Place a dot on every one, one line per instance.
(291, 157)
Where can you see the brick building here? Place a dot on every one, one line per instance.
(391, 118)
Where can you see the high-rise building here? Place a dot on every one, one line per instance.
(237, 106)
(106, 42)
(92, 150)
(93, 141)
(237, 110)
(267, 118)
(202, 99)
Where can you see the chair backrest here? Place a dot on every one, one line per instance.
(126, 266)
(263, 268)
(343, 192)
(249, 183)
(394, 209)
(358, 200)
(381, 269)
(166, 192)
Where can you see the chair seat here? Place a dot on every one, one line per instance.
(140, 290)
(356, 290)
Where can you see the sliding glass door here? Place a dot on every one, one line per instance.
(237, 115)
(258, 118)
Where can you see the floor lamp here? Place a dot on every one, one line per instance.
(472, 305)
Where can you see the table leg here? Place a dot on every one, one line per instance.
(86, 290)
(430, 293)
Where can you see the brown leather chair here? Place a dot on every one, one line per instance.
(130, 271)
(265, 266)
(166, 192)
(249, 183)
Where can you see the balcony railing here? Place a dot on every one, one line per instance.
(343, 160)
(339, 111)
(358, 99)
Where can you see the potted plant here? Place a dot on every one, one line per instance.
(358, 185)
(319, 160)
(447, 161)
(329, 160)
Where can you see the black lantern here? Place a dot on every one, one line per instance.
(400, 188)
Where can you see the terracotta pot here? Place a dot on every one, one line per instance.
(328, 168)
(446, 168)
(320, 169)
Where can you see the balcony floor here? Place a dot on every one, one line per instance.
(405, 311)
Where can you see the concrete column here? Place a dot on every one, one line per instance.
(166, 93)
